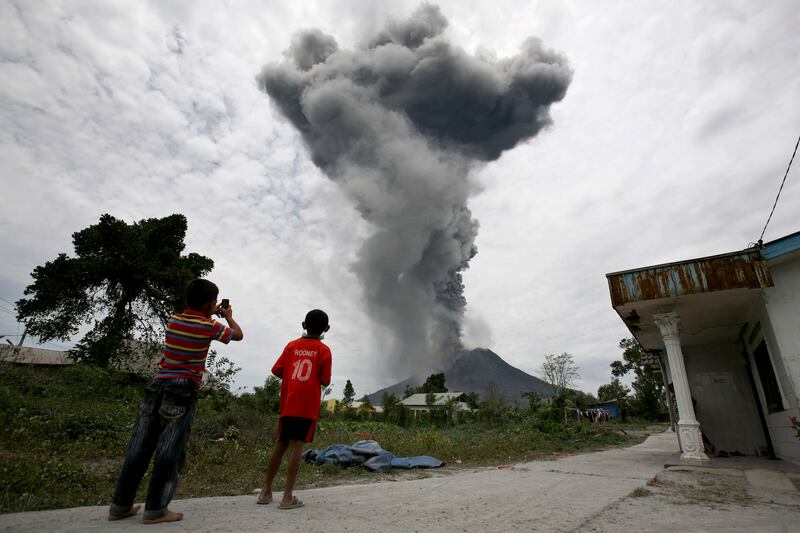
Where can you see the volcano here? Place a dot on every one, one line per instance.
(479, 370)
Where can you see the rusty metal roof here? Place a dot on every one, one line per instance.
(746, 269)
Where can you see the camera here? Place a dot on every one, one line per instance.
(224, 303)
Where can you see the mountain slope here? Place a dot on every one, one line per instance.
(479, 371)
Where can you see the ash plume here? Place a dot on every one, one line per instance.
(399, 124)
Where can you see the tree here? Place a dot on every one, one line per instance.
(221, 372)
(394, 411)
(430, 399)
(613, 391)
(388, 401)
(647, 385)
(560, 372)
(349, 395)
(534, 401)
(365, 402)
(268, 397)
(473, 400)
(434, 383)
(127, 279)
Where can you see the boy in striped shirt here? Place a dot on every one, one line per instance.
(169, 405)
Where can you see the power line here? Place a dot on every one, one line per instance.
(6, 301)
(760, 239)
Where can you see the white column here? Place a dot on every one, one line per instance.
(688, 426)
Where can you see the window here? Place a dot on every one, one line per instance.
(772, 394)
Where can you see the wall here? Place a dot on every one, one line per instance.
(725, 400)
(33, 356)
(781, 325)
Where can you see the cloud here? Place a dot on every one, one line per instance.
(143, 110)
(399, 124)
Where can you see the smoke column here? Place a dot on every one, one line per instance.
(399, 124)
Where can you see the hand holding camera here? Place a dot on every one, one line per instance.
(224, 309)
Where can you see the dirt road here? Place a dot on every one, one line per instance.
(582, 492)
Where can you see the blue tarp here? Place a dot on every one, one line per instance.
(368, 454)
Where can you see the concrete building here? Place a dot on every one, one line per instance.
(726, 328)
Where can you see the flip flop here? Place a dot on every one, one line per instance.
(264, 502)
(294, 505)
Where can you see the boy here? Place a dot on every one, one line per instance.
(169, 404)
(304, 368)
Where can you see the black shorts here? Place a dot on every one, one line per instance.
(296, 428)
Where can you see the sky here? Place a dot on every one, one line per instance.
(670, 144)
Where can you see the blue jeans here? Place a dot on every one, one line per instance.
(162, 427)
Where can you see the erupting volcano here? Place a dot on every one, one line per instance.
(400, 124)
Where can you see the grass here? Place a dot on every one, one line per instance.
(66, 430)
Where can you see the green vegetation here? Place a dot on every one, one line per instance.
(65, 432)
(125, 279)
(434, 383)
(648, 398)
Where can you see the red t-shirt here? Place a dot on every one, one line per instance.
(303, 367)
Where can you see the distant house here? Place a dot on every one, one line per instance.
(27, 355)
(418, 402)
(144, 360)
(360, 407)
(726, 331)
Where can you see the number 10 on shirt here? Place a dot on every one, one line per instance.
(301, 369)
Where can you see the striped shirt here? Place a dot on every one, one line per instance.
(188, 337)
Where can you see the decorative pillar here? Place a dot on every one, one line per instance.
(688, 426)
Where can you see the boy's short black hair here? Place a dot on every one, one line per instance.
(316, 321)
(199, 292)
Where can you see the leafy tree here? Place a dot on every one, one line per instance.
(560, 372)
(434, 383)
(388, 401)
(582, 399)
(473, 400)
(534, 401)
(613, 391)
(349, 395)
(494, 408)
(647, 385)
(268, 397)
(125, 278)
(365, 401)
(221, 372)
(394, 411)
(430, 399)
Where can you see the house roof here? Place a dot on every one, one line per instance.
(713, 295)
(783, 246)
(441, 398)
(736, 270)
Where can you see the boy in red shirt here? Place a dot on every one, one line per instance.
(304, 368)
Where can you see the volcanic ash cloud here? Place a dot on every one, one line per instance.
(398, 124)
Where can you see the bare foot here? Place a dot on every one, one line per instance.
(134, 510)
(264, 497)
(169, 516)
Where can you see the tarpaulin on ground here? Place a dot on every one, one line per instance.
(370, 455)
